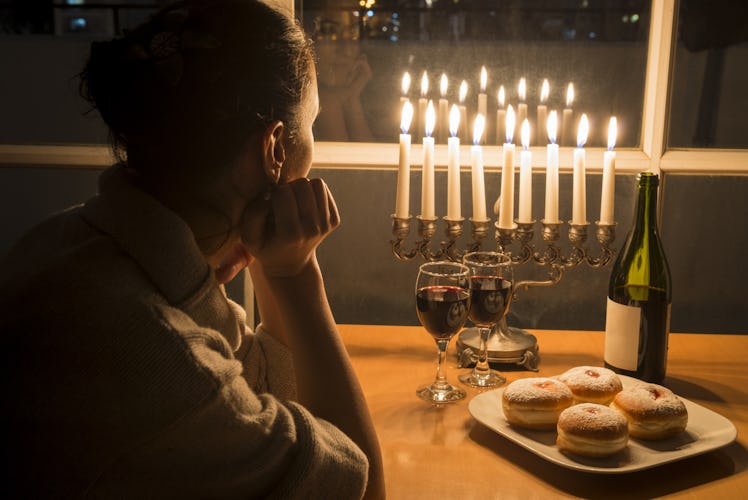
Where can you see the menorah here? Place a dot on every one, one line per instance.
(507, 344)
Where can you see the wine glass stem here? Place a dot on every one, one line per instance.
(481, 366)
(441, 371)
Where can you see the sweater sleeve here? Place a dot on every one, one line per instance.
(268, 364)
(237, 444)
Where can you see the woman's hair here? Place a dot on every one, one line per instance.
(183, 93)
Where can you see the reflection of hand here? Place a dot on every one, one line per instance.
(358, 77)
(282, 233)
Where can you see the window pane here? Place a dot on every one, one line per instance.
(709, 104)
(364, 50)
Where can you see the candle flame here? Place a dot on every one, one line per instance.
(552, 125)
(612, 133)
(570, 95)
(424, 84)
(522, 90)
(406, 83)
(510, 122)
(406, 117)
(430, 118)
(478, 126)
(463, 91)
(443, 85)
(582, 131)
(483, 78)
(502, 96)
(525, 134)
(454, 120)
(545, 90)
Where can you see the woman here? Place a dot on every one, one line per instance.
(128, 371)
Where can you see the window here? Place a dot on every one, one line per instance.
(364, 49)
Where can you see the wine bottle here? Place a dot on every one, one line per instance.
(637, 322)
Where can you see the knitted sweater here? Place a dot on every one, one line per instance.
(127, 373)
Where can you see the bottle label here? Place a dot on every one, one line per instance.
(622, 335)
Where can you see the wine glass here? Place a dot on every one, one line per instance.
(490, 295)
(442, 303)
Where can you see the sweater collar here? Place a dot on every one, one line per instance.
(163, 245)
(157, 238)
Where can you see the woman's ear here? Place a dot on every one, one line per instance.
(274, 153)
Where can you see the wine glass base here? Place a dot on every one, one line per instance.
(487, 379)
(442, 394)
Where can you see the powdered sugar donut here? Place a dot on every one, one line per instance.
(652, 411)
(592, 430)
(535, 402)
(592, 384)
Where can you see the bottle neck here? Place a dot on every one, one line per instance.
(646, 204)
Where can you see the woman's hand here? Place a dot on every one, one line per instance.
(283, 233)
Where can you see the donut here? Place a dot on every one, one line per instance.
(592, 430)
(592, 384)
(652, 411)
(536, 402)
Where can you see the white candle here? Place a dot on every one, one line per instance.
(427, 179)
(463, 111)
(453, 166)
(607, 196)
(567, 119)
(551, 172)
(402, 200)
(545, 90)
(522, 106)
(422, 103)
(506, 204)
(443, 119)
(476, 162)
(482, 98)
(500, 116)
(579, 200)
(525, 175)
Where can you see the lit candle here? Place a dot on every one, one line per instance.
(551, 172)
(443, 120)
(522, 106)
(453, 166)
(525, 175)
(402, 200)
(609, 176)
(482, 98)
(506, 203)
(567, 134)
(476, 161)
(422, 103)
(579, 199)
(500, 116)
(545, 90)
(463, 110)
(405, 87)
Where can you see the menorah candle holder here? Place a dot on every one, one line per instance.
(508, 344)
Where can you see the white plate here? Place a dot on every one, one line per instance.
(706, 431)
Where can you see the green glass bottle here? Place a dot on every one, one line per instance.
(637, 322)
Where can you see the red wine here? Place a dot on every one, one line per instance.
(489, 296)
(442, 310)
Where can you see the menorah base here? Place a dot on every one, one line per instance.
(512, 346)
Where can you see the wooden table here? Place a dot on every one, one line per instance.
(442, 452)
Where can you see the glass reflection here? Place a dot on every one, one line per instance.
(709, 99)
(366, 47)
